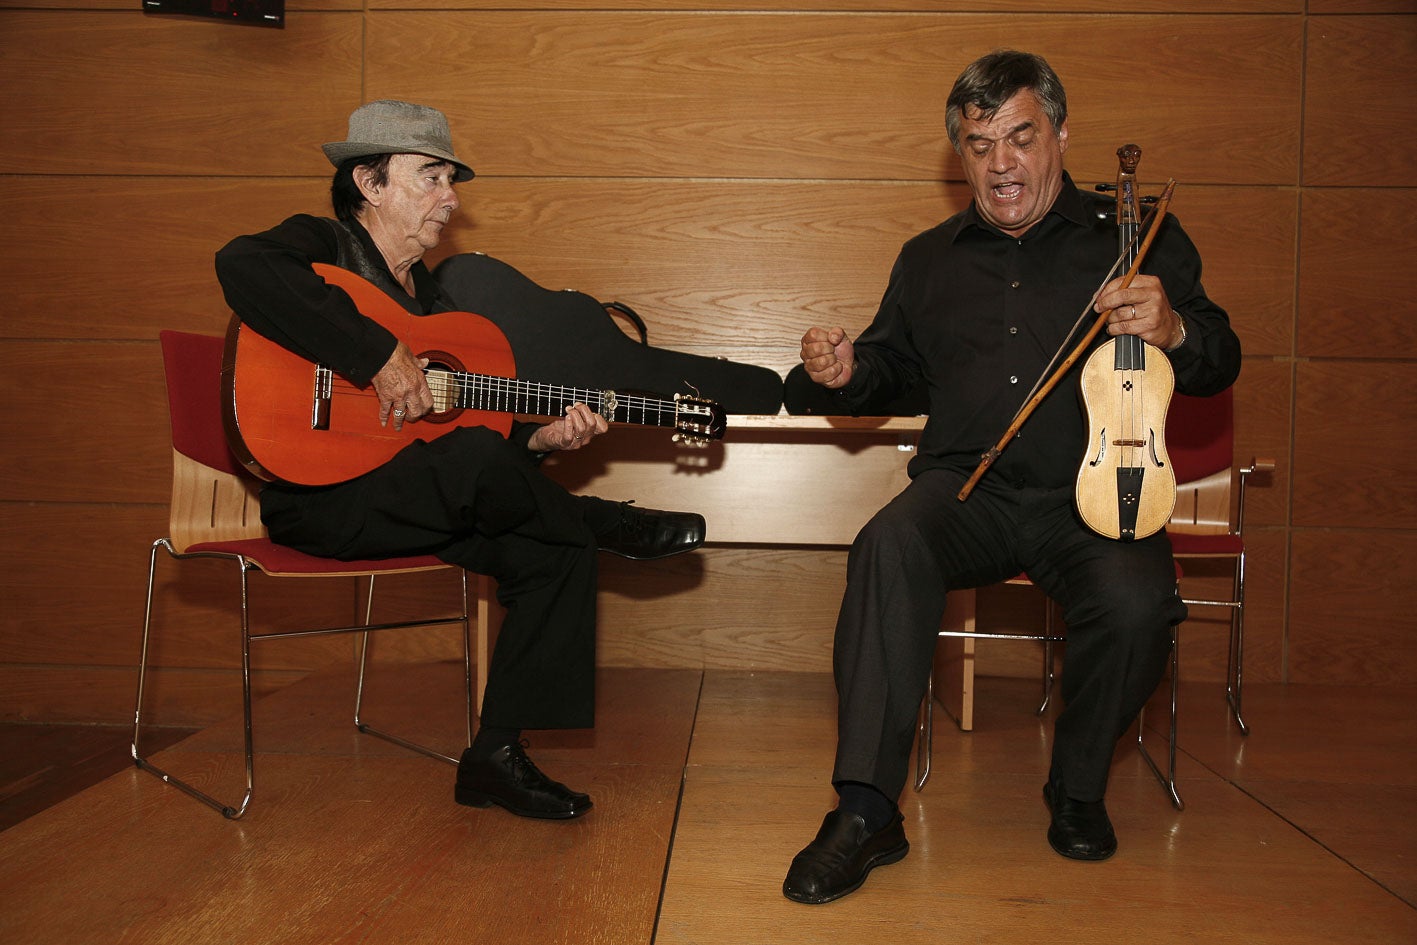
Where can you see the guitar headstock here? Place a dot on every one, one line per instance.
(697, 420)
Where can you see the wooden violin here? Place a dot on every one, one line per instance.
(1132, 254)
(1125, 487)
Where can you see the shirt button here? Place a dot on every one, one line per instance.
(1013, 380)
(1015, 284)
(1013, 330)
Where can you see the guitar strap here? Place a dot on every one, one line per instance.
(354, 256)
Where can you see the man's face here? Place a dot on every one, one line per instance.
(416, 203)
(1013, 162)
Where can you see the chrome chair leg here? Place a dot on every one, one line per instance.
(1235, 665)
(368, 729)
(925, 735)
(1168, 779)
(1048, 675)
(226, 810)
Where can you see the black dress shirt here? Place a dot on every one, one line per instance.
(976, 315)
(268, 282)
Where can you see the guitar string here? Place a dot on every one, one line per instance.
(494, 392)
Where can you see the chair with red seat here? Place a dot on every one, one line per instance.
(1207, 523)
(215, 513)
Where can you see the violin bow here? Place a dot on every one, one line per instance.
(1150, 225)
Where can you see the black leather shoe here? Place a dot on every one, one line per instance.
(837, 861)
(508, 779)
(643, 534)
(1080, 830)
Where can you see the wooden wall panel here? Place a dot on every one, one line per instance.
(103, 695)
(1360, 6)
(1267, 610)
(734, 169)
(733, 268)
(746, 608)
(73, 581)
(882, 6)
(803, 96)
(96, 429)
(119, 92)
(1353, 448)
(1264, 403)
(1342, 624)
(1352, 60)
(1246, 237)
(742, 268)
(291, 6)
(1358, 280)
(124, 257)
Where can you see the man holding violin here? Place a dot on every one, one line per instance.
(975, 309)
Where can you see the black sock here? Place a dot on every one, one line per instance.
(488, 739)
(874, 807)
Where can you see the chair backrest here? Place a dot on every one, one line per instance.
(1200, 439)
(213, 498)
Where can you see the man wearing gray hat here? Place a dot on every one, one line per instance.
(471, 496)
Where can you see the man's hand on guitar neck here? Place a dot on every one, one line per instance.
(402, 388)
(577, 428)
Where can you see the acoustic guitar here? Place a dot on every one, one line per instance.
(293, 420)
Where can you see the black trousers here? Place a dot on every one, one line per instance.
(477, 501)
(1118, 599)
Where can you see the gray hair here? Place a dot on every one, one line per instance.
(991, 80)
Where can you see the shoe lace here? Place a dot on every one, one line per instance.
(632, 520)
(523, 768)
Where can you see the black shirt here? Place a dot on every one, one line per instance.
(268, 282)
(977, 314)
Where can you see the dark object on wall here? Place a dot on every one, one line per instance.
(572, 338)
(254, 12)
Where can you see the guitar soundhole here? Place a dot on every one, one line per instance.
(443, 374)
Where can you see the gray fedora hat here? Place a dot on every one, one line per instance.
(392, 127)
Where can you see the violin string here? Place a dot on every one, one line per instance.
(1124, 258)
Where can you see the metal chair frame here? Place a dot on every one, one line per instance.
(1235, 652)
(245, 566)
(925, 729)
(213, 515)
(1208, 523)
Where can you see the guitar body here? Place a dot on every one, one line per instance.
(289, 419)
(292, 420)
(1125, 486)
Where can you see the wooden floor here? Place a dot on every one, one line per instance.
(705, 786)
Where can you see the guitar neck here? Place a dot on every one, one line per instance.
(459, 389)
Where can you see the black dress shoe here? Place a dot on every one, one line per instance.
(1080, 830)
(508, 779)
(837, 861)
(643, 534)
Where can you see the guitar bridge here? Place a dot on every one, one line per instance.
(320, 403)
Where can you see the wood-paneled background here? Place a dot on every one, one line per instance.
(736, 170)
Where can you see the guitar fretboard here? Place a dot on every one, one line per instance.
(459, 389)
